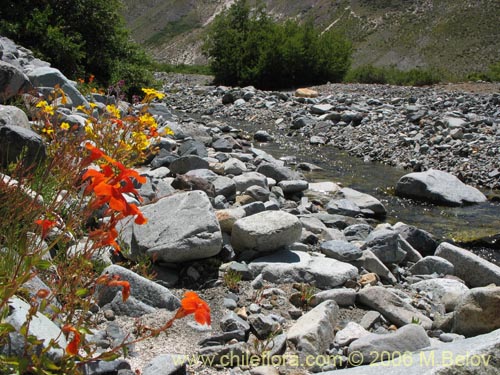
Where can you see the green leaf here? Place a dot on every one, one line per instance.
(6, 328)
(44, 264)
(82, 292)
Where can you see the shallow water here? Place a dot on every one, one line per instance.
(379, 180)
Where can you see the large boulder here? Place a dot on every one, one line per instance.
(12, 81)
(438, 187)
(478, 312)
(17, 142)
(287, 266)
(180, 227)
(10, 115)
(50, 77)
(474, 270)
(448, 292)
(265, 231)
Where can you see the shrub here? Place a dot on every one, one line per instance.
(246, 48)
(78, 37)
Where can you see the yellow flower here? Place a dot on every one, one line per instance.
(167, 131)
(46, 108)
(48, 131)
(92, 105)
(64, 126)
(113, 110)
(147, 120)
(151, 94)
(89, 130)
(140, 140)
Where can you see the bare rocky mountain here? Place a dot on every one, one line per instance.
(456, 35)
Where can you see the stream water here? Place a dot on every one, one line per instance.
(445, 223)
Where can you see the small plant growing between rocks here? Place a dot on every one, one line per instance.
(231, 279)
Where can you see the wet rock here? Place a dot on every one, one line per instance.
(438, 187)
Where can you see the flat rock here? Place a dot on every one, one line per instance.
(265, 231)
(391, 306)
(351, 332)
(344, 297)
(296, 266)
(373, 347)
(364, 201)
(341, 250)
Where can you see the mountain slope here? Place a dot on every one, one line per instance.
(459, 36)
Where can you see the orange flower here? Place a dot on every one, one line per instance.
(125, 288)
(193, 304)
(72, 347)
(115, 281)
(46, 226)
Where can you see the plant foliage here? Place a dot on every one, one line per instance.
(247, 47)
(78, 37)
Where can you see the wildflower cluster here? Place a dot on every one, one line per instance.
(76, 196)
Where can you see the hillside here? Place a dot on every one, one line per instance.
(459, 36)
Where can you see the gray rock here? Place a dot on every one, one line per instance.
(264, 325)
(432, 264)
(475, 271)
(116, 366)
(234, 166)
(265, 231)
(50, 77)
(478, 312)
(438, 187)
(352, 331)
(193, 147)
(232, 322)
(364, 201)
(263, 136)
(449, 292)
(377, 347)
(10, 115)
(371, 263)
(391, 306)
(371, 318)
(190, 230)
(143, 290)
(40, 326)
(357, 232)
(166, 364)
(386, 245)
(187, 163)
(248, 179)
(419, 239)
(225, 144)
(343, 207)
(277, 172)
(293, 186)
(16, 141)
(344, 297)
(320, 109)
(314, 331)
(258, 193)
(476, 355)
(341, 250)
(12, 81)
(296, 266)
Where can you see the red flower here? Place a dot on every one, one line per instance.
(72, 347)
(46, 225)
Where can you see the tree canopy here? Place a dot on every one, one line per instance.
(247, 47)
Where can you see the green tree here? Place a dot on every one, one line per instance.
(76, 36)
(246, 46)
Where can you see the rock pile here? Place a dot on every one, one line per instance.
(327, 284)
